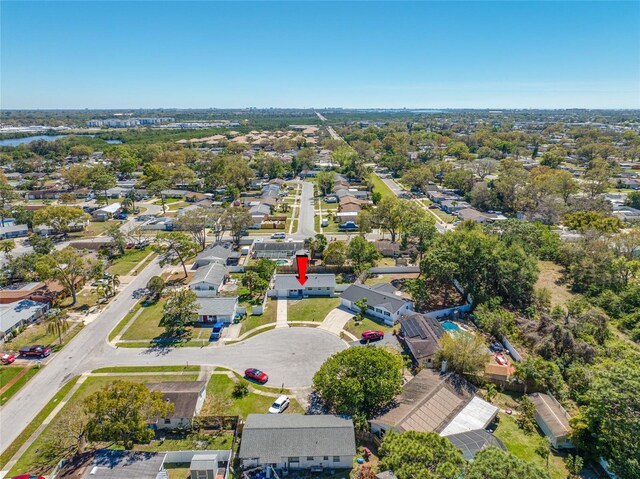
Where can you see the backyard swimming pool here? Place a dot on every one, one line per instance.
(451, 326)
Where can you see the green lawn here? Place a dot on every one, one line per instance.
(269, 316)
(15, 387)
(30, 462)
(213, 442)
(524, 445)
(446, 217)
(33, 425)
(125, 263)
(311, 309)
(95, 228)
(168, 201)
(7, 374)
(251, 403)
(146, 325)
(381, 187)
(179, 470)
(115, 331)
(365, 325)
(148, 369)
(34, 334)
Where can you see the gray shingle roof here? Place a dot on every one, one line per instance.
(421, 334)
(289, 281)
(272, 437)
(376, 297)
(118, 464)
(220, 306)
(213, 273)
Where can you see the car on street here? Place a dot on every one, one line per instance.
(349, 225)
(37, 350)
(142, 244)
(372, 335)
(278, 236)
(6, 358)
(256, 375)
(279, 405)
(434, 207)
(216, 332)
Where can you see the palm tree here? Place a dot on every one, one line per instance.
(127, 204)
(115, 282)
(57, 323)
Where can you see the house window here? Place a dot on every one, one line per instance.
(294, 459)
(325, 458)
(167, 420)
(336, 458)
(371, 308)
(378, 310)
(387, 313)
(310, 458)
(202, 474)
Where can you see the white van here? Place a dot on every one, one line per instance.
(324, 223)
(279, 405)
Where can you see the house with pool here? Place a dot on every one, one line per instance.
(384, 302)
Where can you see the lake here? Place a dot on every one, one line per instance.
(29, 139)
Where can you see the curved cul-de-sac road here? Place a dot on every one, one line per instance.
(290, 356)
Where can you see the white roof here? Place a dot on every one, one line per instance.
(477, 414)
(112, 208)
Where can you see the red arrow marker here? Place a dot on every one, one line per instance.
(302, 261)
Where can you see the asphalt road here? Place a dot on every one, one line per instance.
(306, 223)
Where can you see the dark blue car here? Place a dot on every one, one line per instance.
(216, 332)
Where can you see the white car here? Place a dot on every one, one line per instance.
(280, 405)
(278, 236)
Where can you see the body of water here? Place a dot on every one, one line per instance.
(29, 139)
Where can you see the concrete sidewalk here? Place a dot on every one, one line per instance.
(281, 314)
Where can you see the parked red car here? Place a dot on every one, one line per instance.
(35, 350)
(27, 476)
(256, 375)
(6, 358)
(372, 335)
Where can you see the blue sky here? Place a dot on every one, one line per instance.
(305, 54)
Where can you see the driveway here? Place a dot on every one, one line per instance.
(336, 319)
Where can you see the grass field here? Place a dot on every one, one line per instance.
(311, 309)
(125, 263)
(365, 325)
(95, 228)
(15, 387)
(524, 445)
(251, 403)
(381, 187)
(31, 462)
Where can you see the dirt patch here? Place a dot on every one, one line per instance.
(551, 278)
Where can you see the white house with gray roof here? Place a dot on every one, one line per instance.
(383, 302)
(295, 441)
(208, 280)
(288, 286)
(221, 308)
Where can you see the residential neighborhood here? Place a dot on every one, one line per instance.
(312, 240)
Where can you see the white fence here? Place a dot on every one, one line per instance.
(512, 351)
(173, 457)
(456, 311)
